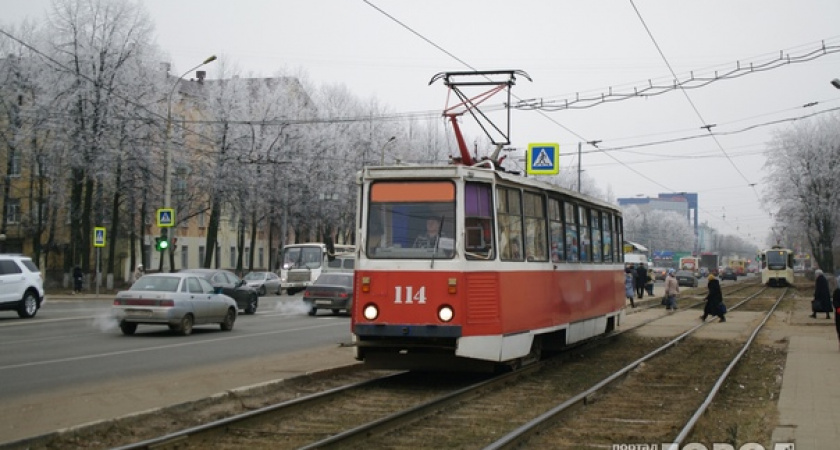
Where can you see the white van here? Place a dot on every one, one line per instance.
(342, 263)
(635, 259)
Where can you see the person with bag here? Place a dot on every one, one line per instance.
(822, 296)
(672, 288)
(714, 300)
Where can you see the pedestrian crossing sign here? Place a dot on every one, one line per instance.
(98, 236)
(165, 217)
(543, 159)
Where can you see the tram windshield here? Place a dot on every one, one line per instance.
(777, 260)
(411, 219)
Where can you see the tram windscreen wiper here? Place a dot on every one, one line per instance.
(437, 241)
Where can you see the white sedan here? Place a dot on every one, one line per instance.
(178, 300)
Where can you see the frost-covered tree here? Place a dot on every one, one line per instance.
(24, 115)
(803, 162)
(91, 45)
(657, 229)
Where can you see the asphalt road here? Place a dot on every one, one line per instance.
(71, 364)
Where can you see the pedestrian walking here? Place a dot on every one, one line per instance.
(139, 272)
(672, 288)
(649, 282)
(641, 277)
(629, 285)
(78, 276)
(836, 303)
(822, 296)
(714, 300)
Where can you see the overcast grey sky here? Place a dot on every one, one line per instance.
(390, 49)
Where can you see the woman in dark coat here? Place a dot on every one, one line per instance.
(714, 301)
(822, 296)
(77, 280)
(836, 304)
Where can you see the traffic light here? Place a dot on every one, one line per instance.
(161, 243)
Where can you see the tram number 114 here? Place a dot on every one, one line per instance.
(410, 296)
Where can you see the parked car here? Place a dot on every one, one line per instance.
(728, 273)
(263, 282)
(332, 290)
(246, 297)
(686, 278)
(21, 286)
(177, 300)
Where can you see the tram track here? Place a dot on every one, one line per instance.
(688, 395)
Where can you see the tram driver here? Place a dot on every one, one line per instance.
(430, 237)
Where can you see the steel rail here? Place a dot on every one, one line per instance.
(522, 433)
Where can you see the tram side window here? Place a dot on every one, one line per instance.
(572, 247)
(510, 224)
(555, 224)
(596, 235)
(585, 243)
(535, 242)
(478, 221)
(606, 219)
(618, 250)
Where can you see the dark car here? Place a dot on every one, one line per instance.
(686, 278)
(246, 297)
(332, 290)
(729, 274)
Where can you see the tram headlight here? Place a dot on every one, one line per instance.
(370, 311)
(445, 313)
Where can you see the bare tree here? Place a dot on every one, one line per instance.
(803, 162)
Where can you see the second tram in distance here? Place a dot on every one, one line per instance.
(777, 266)
(469, 268)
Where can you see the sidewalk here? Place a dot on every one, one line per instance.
(809, 414)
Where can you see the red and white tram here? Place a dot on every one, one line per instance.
(469, 268)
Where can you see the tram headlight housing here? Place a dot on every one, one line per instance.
(370, 311)
(446, 313)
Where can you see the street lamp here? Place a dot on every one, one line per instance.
(167, 164)
(382, 150)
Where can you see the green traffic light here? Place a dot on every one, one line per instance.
(161, 243)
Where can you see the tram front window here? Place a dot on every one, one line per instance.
(776, 260)
(411, 220)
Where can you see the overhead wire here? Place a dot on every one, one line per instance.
(592, 143)
(685, 94)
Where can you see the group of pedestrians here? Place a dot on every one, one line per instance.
(637, 281)
(826, 298)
